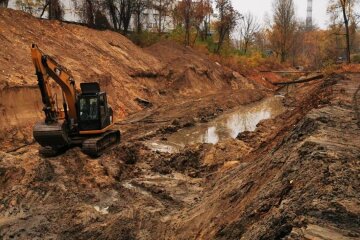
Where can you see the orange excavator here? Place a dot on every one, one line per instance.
(85, 119)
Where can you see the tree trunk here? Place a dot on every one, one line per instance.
(4, 3)
(138, 22)
(160, 17)
(246, 44)
(112, 12)
(127, 16)
(90, 13)
(44, 8)
(187, 21)
(346, 23)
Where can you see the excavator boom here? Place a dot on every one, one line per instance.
(46, 68)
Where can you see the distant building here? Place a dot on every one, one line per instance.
(149, 17)
(150, 20)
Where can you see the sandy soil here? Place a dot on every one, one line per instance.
(162, 73)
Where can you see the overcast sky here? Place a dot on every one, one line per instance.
(262, 7)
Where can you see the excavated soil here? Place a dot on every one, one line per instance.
(133, 78)
(295, 177)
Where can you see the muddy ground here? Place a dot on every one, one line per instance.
(295, 177)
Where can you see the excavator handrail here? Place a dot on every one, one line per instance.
(46, 67)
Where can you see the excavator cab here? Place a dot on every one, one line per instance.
(94, 112)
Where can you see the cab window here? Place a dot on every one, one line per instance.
(88, 109)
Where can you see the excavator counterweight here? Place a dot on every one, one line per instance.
(86, 118)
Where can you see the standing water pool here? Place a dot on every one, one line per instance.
(228, 125)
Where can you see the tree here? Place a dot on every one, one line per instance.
(93, 13)
(188, 14)
(345, 8)
(54, 8)
(344, 5)
(283, 28)
(191, 14)
(202, 11)
(138, 9)
(163, 8)
(112, 9)
(120, 12)
(126, 11)
(184, 13)
(227, 21)
(4, 3)
(248, 27)
(260, 40)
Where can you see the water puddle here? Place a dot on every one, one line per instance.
(228, 125)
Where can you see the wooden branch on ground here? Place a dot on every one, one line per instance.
(303, 80)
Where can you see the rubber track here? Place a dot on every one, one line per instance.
(94, 147)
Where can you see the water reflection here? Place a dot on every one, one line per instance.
(240, 122)
(210, 136)
(228, 125)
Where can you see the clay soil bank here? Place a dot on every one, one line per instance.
(295, 177)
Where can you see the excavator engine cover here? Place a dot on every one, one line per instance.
(51, 135)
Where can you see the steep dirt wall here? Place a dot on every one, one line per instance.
(101, 56)
(160, 74)
(19, 105)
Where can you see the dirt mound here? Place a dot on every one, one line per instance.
(102, 56)
(188, 70)
(133, 78)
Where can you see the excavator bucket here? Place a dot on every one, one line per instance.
(51, 135)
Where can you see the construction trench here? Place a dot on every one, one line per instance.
(206, 152)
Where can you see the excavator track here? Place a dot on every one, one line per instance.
(94, 147)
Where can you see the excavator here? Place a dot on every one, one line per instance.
(85, 119)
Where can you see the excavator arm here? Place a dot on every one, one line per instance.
(46, 68)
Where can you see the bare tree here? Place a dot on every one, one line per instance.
(138, 9)
(191, 14)
(227, 21)
(283, 28)
(110, 5)
(248, 27)
(4, 3)
(126, 10)
(260, 40)
(86, 10)
(54, 8)
(163, 8)
(349, 20)
(121, 11)
(184, 14)
(188, 13)
(202, 11)
(344, 5)
(93, 13)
